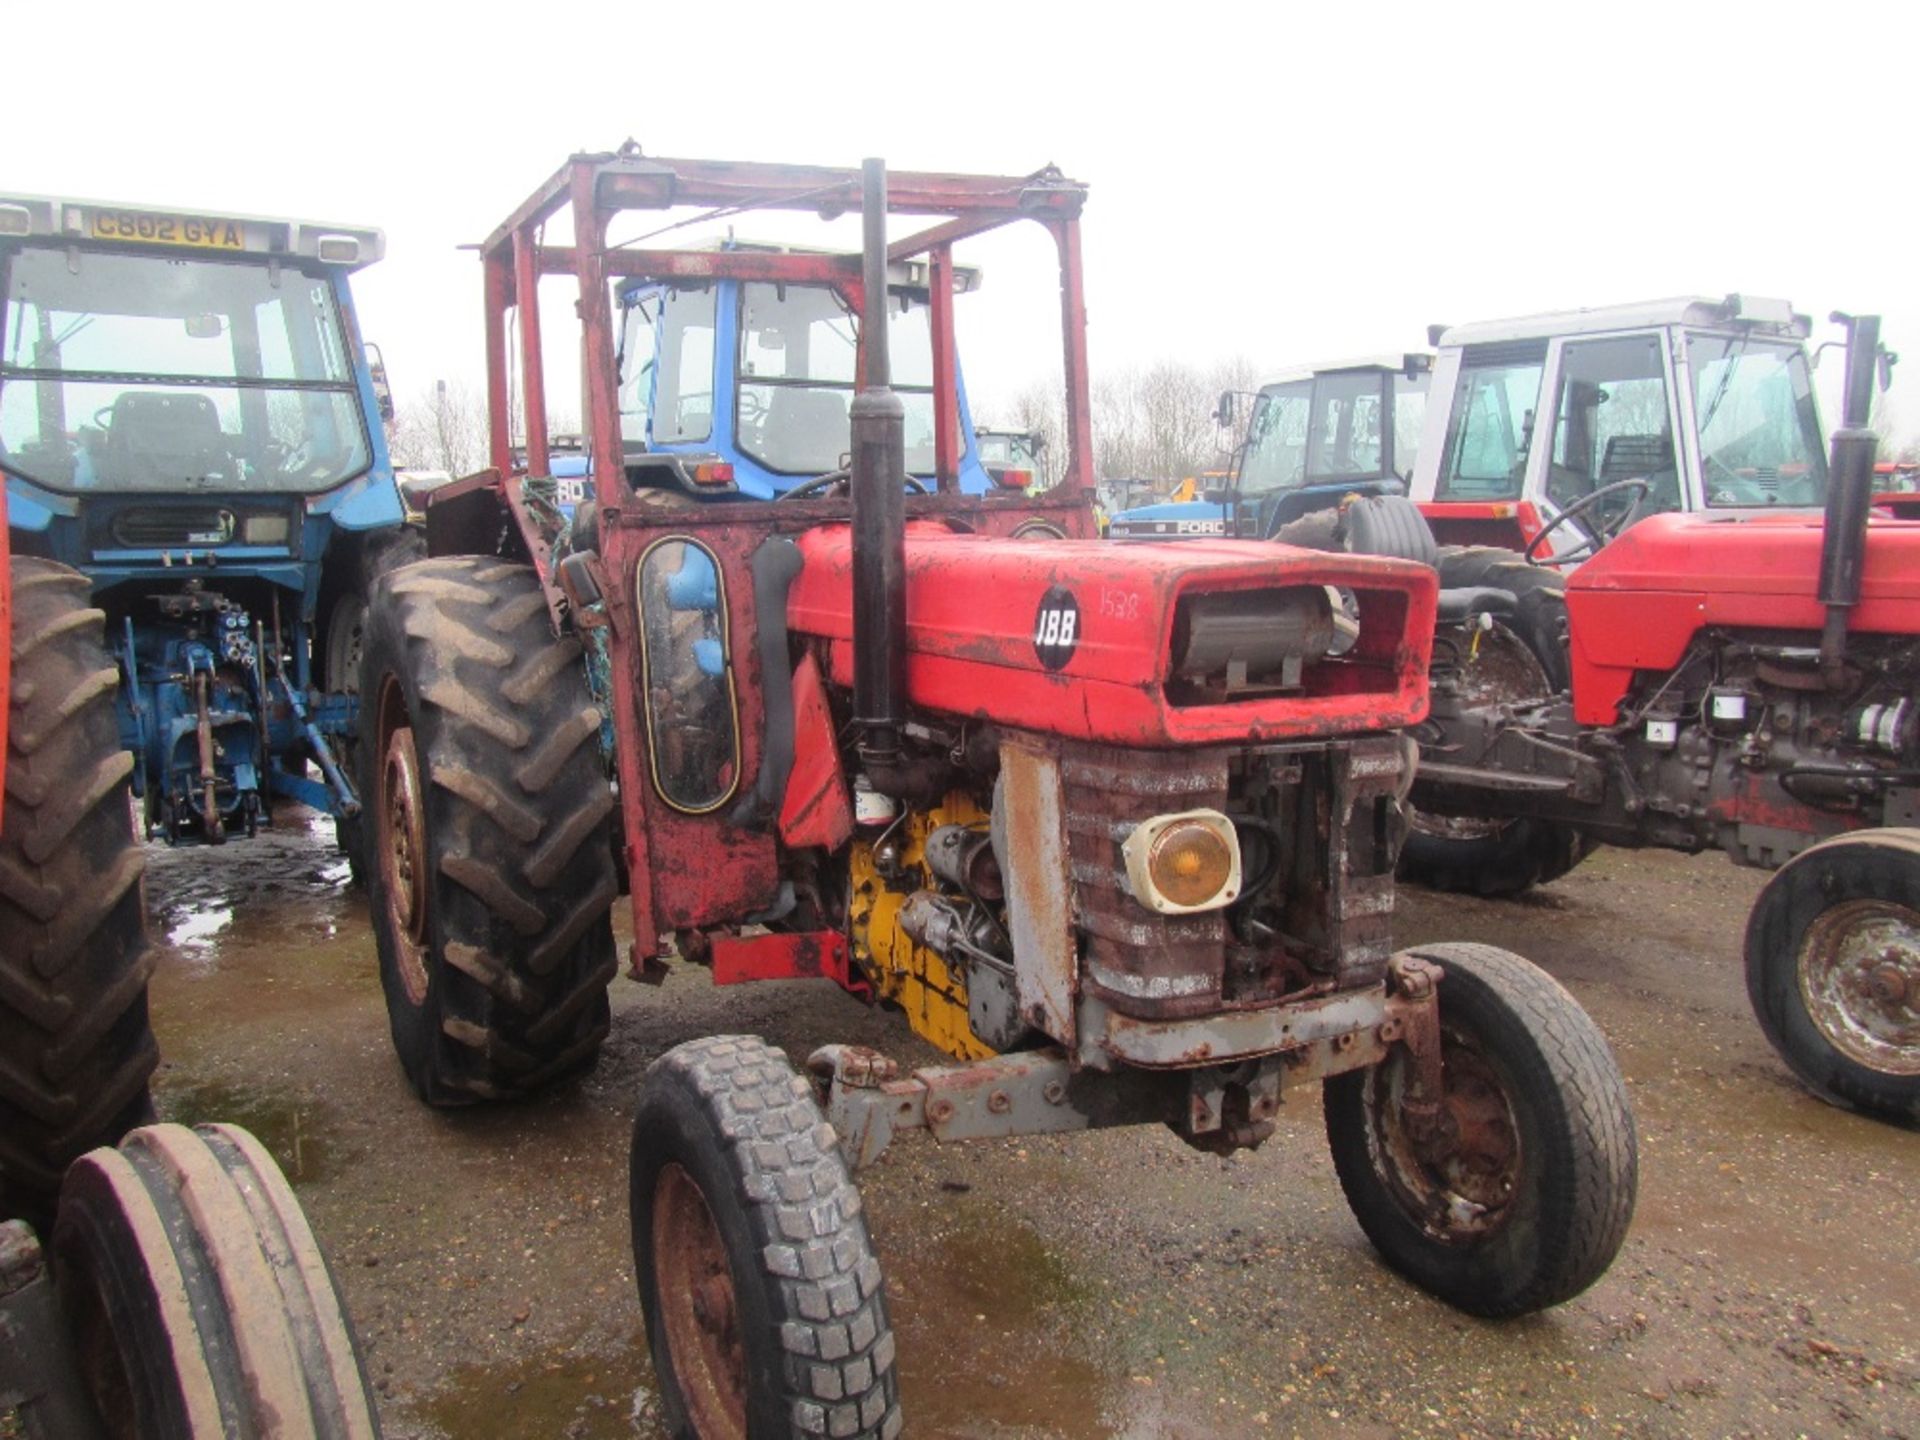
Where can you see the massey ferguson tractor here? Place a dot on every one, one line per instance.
(189, 419)
(1739, 676)
(1114, 827)
(182, 1295)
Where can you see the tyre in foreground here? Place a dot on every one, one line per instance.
(1517, 1196)
(199, 1303)
(765, 1312)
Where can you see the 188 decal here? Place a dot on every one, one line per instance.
(1056, 628)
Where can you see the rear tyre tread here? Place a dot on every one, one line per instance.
(522, 886)
(76, 1048)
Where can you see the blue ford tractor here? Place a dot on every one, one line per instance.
(1313, 439)
(188, 418)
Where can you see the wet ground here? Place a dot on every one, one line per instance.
(1108, 1285)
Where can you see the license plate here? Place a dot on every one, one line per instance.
(570, 490)
(143, 227)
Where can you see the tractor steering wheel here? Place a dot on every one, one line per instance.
(103, 417)
(1601, 532)
(843, 476)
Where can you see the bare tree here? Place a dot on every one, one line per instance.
(444, 428)
(1158, 423)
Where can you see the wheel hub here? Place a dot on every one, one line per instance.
(1456, 1178)
(1859, 976)
(403, 859)
(698, 1309)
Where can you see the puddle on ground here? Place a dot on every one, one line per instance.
(297, 1131)
(553, 1393)
(986, 1317)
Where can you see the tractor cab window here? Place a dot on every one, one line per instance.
(638, 314)
(798, 347)
(152, 373)
(1759, 434)
(1344, 432)
(1491, 425)
(1612, 422)
(683, 389)
(693, 735)
(1409, 414)
(1276, 454)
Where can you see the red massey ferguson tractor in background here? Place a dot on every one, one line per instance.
(1115, 827)
(1743, 682)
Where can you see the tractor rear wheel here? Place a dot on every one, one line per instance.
(765, 1309)
(492, 877)
(1833, 970)
(1523, 657)
(1520, 1198)
(76, 1048)
(346, 643)
(198, 1300)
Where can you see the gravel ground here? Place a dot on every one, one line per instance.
(1116, 1284)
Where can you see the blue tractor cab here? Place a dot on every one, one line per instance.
(1313, 439)
(759, 377)
(188, 417)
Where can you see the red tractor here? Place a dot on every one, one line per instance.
(1115, 827)
(1743, 683)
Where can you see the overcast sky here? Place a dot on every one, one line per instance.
(1289, 183)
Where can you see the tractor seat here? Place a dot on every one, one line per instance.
(160, 438)
(1631, 457)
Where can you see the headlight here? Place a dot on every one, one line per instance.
(1177, 864)
(264, 530)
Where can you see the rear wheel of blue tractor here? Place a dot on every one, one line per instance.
(76, 1048)
(491, 875)
(344, 653)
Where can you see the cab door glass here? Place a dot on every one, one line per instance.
(1490, 428)
(683, 393)
(1613, 422)
(638, 315)
(693, 733)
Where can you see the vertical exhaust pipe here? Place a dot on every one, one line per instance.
(1843, 548)
(877, 486)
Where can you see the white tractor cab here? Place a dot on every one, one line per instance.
(1553, 433)
(1314, 437)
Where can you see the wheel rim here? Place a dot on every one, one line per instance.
(697, 1310)
(1859, 971)
(403, 858)
(1457, 1180)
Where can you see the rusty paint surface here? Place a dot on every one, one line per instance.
(1036, 870)
(794, 955)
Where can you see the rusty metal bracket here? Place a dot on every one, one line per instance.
(1413, 1021)
(1033, 1092)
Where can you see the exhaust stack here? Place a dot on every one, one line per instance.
(1843, 550)
(877, 487)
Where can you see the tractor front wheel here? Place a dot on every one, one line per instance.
(1833, 970)
(491, 874)
(198, 1300)
(765, 1311)
(1517, 1196)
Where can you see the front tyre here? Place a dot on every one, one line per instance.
(766, 1316)
(492, 875)
(1521, 1199)
(1833, 970)
(198, 1300)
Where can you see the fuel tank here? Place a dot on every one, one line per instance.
(1156, 645)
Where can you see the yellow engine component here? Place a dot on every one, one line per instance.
(913, 977)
